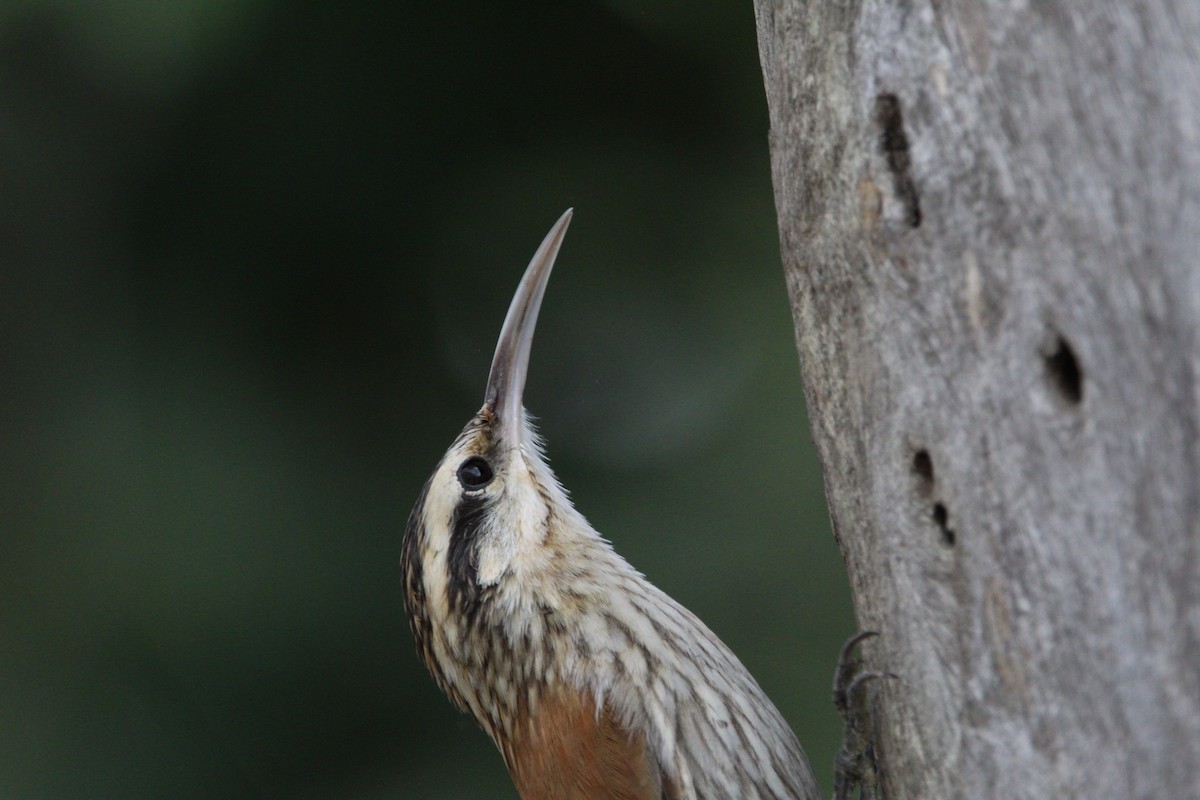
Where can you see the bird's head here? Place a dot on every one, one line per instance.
(493, 530)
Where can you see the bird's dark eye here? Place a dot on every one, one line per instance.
(474, 473)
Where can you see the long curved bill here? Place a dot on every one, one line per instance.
(510, 364)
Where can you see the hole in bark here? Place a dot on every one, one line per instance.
(894, 144)
(1063, 368)
(941, 516)
(922, 466)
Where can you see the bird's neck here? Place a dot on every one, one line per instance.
(529, 639)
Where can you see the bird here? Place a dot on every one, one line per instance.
(593, 683)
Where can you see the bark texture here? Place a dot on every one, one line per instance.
(989, 213)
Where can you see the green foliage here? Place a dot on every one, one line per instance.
(257, 255)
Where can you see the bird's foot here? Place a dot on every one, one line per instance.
(854, 765)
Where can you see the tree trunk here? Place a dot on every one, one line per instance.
(990, 222)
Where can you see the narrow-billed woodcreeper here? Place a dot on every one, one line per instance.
(593, 683)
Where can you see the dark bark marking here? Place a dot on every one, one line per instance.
(894, 144)
(1062, 367)
(922, 466)
(942, 517)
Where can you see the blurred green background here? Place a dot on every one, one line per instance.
(254, 259)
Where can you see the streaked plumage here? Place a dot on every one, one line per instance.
(592, 682)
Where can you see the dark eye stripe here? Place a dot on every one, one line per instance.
(462, 558)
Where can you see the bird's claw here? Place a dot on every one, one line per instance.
(854, 765)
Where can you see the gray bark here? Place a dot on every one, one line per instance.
(989, 214)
